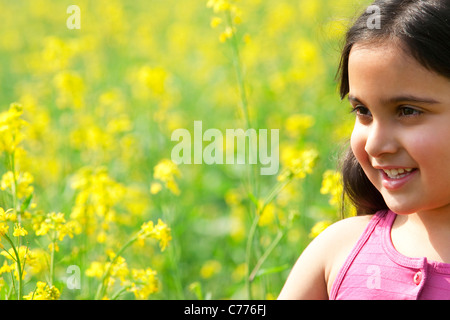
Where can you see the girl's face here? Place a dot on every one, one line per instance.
(401, 136)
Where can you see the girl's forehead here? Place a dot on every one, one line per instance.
(387, 55)
(387, 70)
(381, 54)
(379, 63)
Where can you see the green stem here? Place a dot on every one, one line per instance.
(269, 198)
(265, 256)
(248, 253)
(118, 293)
(274, 192)
(19, 267)
(103, 284)
(238, 69)
(52, 262)
(237, 63)
(14, 186)
(252, 184)
(14, 194)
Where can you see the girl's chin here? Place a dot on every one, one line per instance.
(403, 212)
(400, 208)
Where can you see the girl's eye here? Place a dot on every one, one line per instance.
(409, 112)
(361, 111)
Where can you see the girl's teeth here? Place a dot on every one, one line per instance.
(397, 173)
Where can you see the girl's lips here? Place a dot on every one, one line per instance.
(396, 183)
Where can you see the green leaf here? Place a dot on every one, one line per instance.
(266, 271)
(26, 203)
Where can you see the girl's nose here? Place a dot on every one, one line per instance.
(380, 140)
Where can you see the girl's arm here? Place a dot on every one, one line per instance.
(307, 279)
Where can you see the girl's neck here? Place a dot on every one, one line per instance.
(423, 234)
(433, 221)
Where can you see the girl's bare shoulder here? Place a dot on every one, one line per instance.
(339, 239)
(320, 262)
(347, 228)
(341, 234)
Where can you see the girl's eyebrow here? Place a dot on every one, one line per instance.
(353, 99)
(397, 99)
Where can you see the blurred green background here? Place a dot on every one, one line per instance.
(109, 95)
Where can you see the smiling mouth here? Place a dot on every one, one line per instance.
(398, 173)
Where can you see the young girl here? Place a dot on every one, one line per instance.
(397, 171)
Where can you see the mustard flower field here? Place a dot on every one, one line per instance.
(93, 202)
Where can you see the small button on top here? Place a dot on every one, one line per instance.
(418, 278)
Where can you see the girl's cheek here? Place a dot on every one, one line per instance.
(357, 144)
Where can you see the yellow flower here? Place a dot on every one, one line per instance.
(44, 228)
(6, 268)
(58, 218)
(55, 55)
(68, 229)
(19, 231)
(153, 79)
(37, 260)
(3, 228)
(23, 257)
(268, 215)
(145, 283)
(96, 269)
(147, 228)
(162, 233)
(10, 253)
(215, 21)
(332, 185)
(70, 87)
(155, 188)
(210, 268)
(318, 228)
(101, 237)
(297, 124)
(7, 180)
(98, 195)
(53, 246)
(166, 171)
(120, 124)
(159, 232)
(119, 268)
(218, 5)
(227, 34)
(43, 292)
(21, 181)
(298, 163)
(10, 128)
(57, 223)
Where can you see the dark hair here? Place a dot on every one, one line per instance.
(421, 29)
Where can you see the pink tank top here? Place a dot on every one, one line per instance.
(375, 270)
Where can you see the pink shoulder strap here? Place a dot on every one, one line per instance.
(379, 216)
